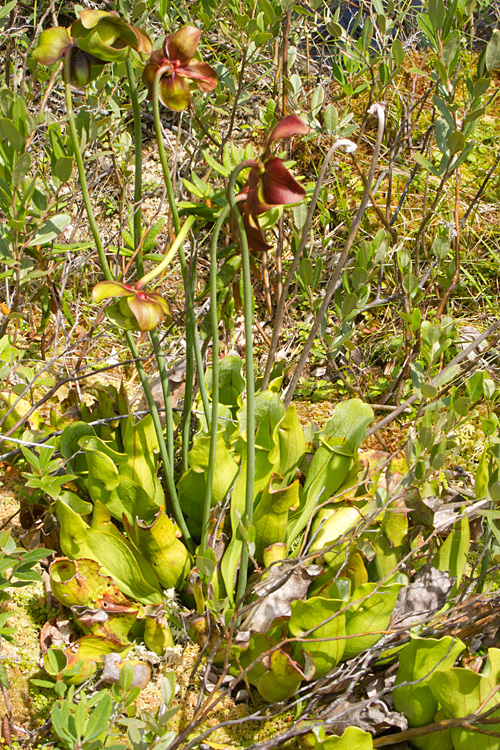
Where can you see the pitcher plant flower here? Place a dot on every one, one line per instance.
(54, 44)
(108, 36)
(269, 183)
(136, 309)
(176, 67)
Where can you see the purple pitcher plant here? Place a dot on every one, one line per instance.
(177, 69)
(269, 183)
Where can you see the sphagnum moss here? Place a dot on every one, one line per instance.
(29, 706)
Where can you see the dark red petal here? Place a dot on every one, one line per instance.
(148, 77)
(80, 69)
(254, 203)
(183, 44)
(144, 44)
(279, 188)
(256, 206)
(156, 58)
(291, 125)
(202, 73)
(255, 236)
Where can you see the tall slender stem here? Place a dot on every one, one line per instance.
(214, 321)
(188, 393)
(138, 167)
(139, 261)
(165, 387)
(192, 339)
(250, 379)
(169, 476)
(81, 170)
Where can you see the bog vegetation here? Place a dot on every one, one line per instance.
(249, 364)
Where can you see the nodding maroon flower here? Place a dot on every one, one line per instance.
(54, 44)
(136, 309)
(176, 67)
(270, 184)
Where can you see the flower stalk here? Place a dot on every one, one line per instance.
(169, 476)
(192, 340)
(249, 373)
(214, 423)
(81, 169)
(137, 214)
(139, 262)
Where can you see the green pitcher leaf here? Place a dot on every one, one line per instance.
(132, 573)
(157, 634)
(370, 611)
(232, 555)
(75, 581)
(103, 472)
(191, 486)
(452, 556)
(332, 460)
(94, 443)
(281, 679)
(418, 662)
(349, 420)
(107, 620)
(231, 382)
(352, 739)
(71, 450)
(387, 556)
(310, 615)
(332, 524)
(461, 691)
(89, 650)
(395, 523)
(140, 444)
(269, 412)
(271, 515)
(159, 544)
(110, 482)
(292, 445)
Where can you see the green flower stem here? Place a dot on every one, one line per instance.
(188, 393)
(161, 441)
(250, 380)
(160, 359)
(188, 403)
(192, 339)
(165, 387)
(214, 321)
(139, 262)
(81, 171)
